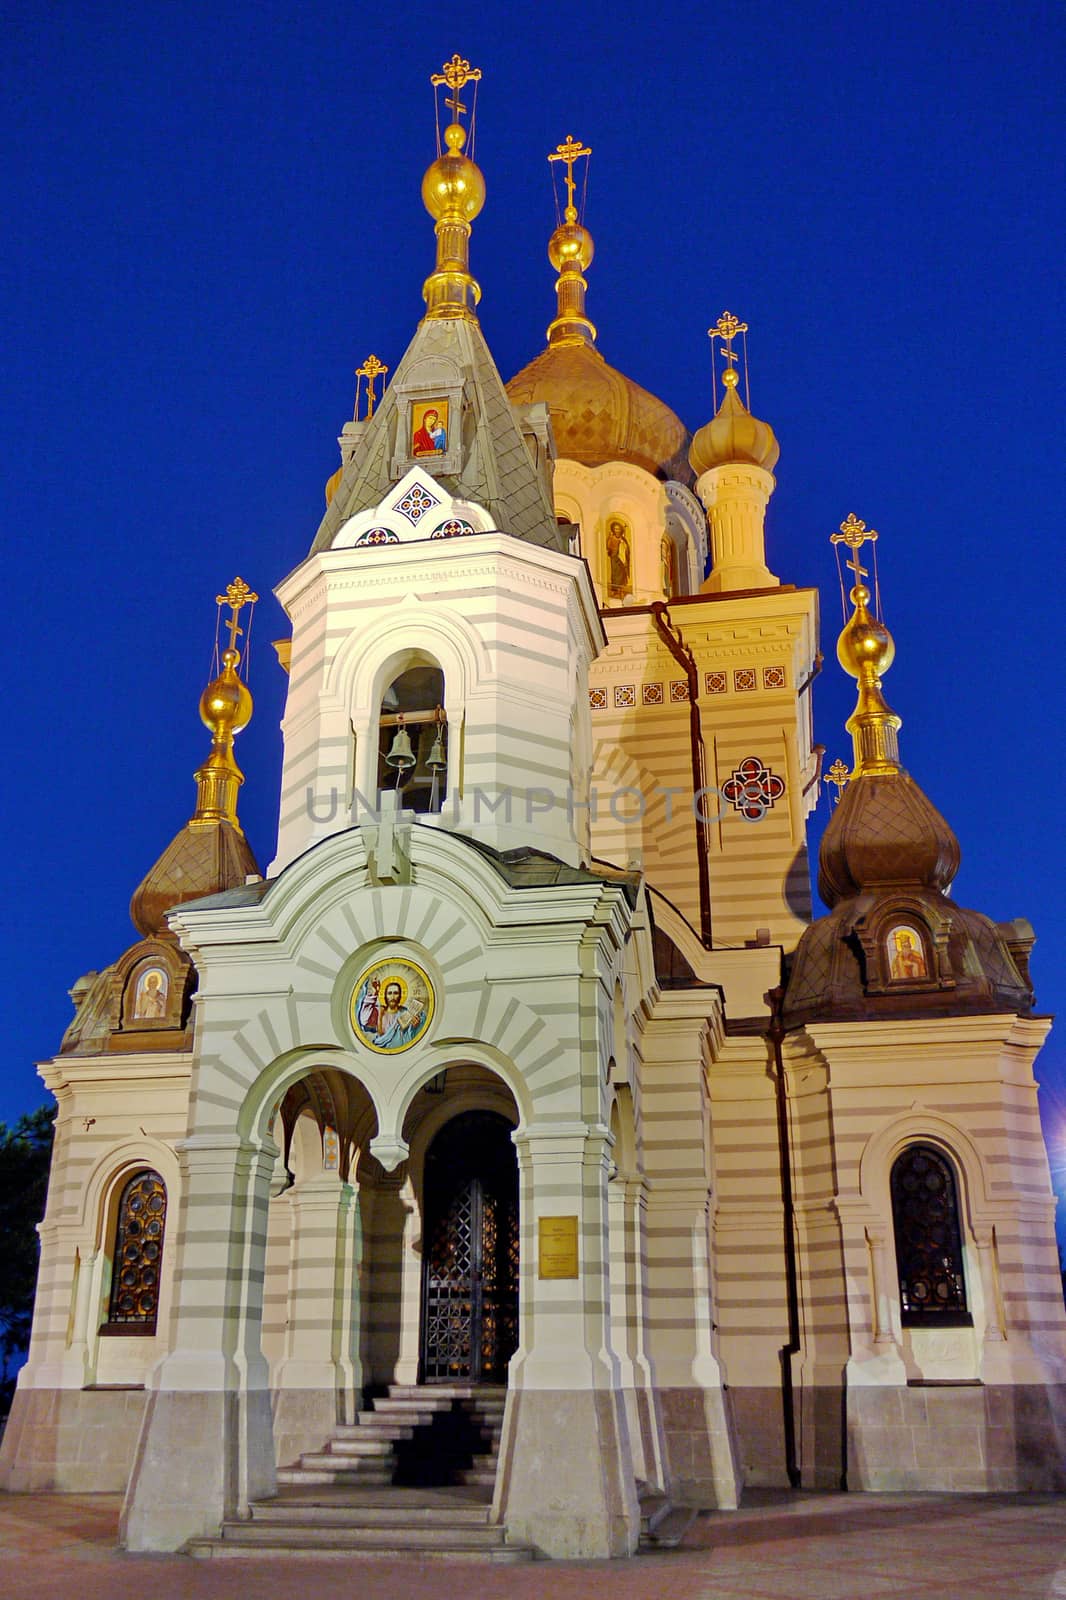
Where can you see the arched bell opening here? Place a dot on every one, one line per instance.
(413, 737)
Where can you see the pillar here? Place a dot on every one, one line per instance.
(206, 1445)
(318, 1380)
(565, 1483)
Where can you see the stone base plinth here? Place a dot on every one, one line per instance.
(303, 1421)
(703, 1469)
(201, 1456)
(565, 1483)
(967, 1438)
(75, 1441)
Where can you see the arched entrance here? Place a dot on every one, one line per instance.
(470, 1253)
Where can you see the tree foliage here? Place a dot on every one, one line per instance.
(25, 1156)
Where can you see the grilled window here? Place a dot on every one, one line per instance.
(138, 1258)
(925, 1216)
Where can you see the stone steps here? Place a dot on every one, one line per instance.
(338, 1501)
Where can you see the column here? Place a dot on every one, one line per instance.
(209, 1401)
(566, 1481)
(317, 1379)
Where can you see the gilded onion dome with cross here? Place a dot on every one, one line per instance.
(598, 414)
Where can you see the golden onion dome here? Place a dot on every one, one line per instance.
(333, 483)
(733, 435)
(598, 414)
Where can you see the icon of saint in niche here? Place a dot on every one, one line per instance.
(150, 1000)
(392, 1006)
(619, 557)
(430, 436)
(906, 958)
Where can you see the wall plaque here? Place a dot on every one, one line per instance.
(557, 1247)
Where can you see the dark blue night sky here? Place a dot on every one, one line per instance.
(214, 215)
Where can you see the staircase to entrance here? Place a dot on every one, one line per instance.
(413, 1475)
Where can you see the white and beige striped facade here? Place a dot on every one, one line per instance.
(652, 1108)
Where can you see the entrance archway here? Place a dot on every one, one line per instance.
(470, 1253)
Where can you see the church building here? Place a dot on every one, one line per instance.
(517, 1125)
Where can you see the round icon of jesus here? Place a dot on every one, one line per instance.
(392, 1006)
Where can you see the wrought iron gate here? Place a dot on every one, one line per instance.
(470, 1260)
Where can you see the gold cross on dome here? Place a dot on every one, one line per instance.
(371, 369)
(237, 596)
(455, 73)
(570, 151)
(854, 533)
(838, 774)
(726, 328)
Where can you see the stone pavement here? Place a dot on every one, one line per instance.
(778, 1547)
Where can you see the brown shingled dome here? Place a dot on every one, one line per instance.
(204, 858)
(598, 414)
(885, 831)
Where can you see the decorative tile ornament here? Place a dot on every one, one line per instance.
(452, 528)
(753, 788)
(415, 503)
(391, 1006)
(716, 682)
(678, 691)
(624, 695)
(744, 680)
(651, 694)
(378, 536)
(773, 677)
(598, 699)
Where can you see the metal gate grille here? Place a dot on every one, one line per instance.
(470, 1272)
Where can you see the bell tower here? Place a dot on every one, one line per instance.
(442, 628)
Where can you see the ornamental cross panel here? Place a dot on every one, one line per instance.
(753, 788)
(415, 503)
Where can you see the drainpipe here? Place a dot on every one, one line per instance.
(671, 637)
(775, 1033)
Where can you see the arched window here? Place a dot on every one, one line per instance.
(138, 1257)
(925, 1217)
(413, 748)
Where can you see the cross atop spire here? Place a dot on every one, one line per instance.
(571, 150)
(237, 596)
(854, 533)
(455, 73)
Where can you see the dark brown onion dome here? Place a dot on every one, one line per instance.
(894, 945)
(885, 831)
(204, 858)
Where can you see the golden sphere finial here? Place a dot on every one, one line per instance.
(730, 377)
(455, 136)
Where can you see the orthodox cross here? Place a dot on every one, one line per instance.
(838, 774)
(237, 596)
(726, 328)
(854, 533)
(570, 151)
(455, 73)
(372, 368)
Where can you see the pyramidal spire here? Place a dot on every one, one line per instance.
(445, 409)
